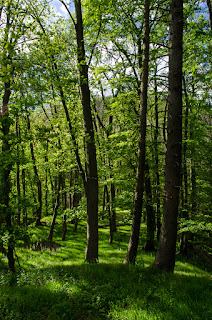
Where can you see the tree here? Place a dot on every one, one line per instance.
(165, 257)
(134, 237)
(209, 4)
(91, 187)
(12, 29)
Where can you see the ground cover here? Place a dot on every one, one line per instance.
(54, 282)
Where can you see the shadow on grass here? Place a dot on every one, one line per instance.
(57, 284)
(104, 291)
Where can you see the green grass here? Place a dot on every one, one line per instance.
(54, 285)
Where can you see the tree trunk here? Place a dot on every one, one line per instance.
(37, 179)
(18, 218)
(185, 174)
(91, 187)
(183, 239)
(64, 206)
(23, 178)
(209, 3)
(149, 245)
(134, 237)
(46, 180)
(157, 195)
(57, 200)
(193, 173)
(6, 166)
(109, 214)
(112, 205)
(76, 199)
(104, 201)
(165, 257)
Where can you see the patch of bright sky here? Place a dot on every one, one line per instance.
(60, 9)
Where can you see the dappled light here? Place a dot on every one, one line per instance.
(105, 160)
(57, 284)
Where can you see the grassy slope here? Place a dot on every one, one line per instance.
(58, 285)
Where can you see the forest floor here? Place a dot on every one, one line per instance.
(54, 283)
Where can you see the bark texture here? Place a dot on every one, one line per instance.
(134, 237)
(165, 257)
(91, 186)
(149, 245)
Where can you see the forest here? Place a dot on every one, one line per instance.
(105, 159)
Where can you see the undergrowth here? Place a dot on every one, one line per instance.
(54, 283)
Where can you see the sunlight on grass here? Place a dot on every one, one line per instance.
(187, 269)
(133, 314)
(56, 284)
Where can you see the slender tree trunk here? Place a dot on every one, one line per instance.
(6, 166)
(46, 180)
(76, 199)
(193, 188)
(149, 245)
(112, 187)
(39, 187)
(104, 201)
(64, 197)
(91, 188)
(18, 218)
(185, 174)
(57, 200)
(209, 3)
(183, 239)
(158, 213)
(6, 162)
(107, 198)
(134, 237)
(23, 179)
(193, 173)
(112, 204)
(165, 257)
(37, 178)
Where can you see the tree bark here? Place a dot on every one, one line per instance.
(183, 238)
(64, 197)
(46, 180)
(37, 179)
(134, 237)
(56, 206)
(112, 204)
(5, 170)
(193, 173)
(165, 257)
(184, 146)
(158, 213)
(149, 245)
(23, 178)
(76, 199)
(91, 187)
(18, 218)
(209, 3)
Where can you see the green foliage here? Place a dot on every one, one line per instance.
(195, 226)
(56, 284)
(43, 61)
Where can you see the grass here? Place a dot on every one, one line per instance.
(57, 284)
